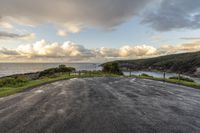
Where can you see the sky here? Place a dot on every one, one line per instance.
(96, 30)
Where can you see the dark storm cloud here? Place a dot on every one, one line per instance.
(174, 14)
(101, 13)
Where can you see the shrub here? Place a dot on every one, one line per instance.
(146, 75)
(14, 81)
(54, 71)
(61, 66)
(182, 78)
(47, 72)
(112, 67)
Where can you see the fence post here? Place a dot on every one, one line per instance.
(164, 76)
(79, 74)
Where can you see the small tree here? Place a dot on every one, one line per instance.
(53, 71)
(112, 67)
(61, 66)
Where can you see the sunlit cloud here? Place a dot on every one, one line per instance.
(46, 49)
(186, 47)
(68, 28)
(70, 51)
(62, 33)
(5, 25)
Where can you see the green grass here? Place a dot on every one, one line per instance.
(12, 89)
(182, 78)
(146, 75)
(174, 81)
(15, 87)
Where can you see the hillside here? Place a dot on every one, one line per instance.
(187, 63)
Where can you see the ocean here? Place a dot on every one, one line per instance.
(7, 69)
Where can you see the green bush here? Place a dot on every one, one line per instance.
(112, 67)
(52, 72)
(63, 68)
(14, 81)
(182, 78)
(146, 75)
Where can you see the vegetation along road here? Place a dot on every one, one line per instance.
(102, 105)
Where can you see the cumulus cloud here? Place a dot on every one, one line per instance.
(72, 51)
(137, 51)
(186, 47)
(46, 49)
(174, 14)
(73, 14)
(69, 51)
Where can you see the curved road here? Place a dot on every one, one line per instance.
(102, 105)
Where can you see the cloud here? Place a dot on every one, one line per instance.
(26, 37)
(5, 51)
(62, 33)
(5, 25)
(137, 51)
(190, 38)
(194, 46)
(54, 50)
(68, 28)
(186, 47)
(174, 14)
(9, 35)
(72, 14)
(69, 51)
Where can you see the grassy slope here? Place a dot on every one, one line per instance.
(174, 81)
(5, 91)
(185, 63)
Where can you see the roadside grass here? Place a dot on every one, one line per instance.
(18, 84)
(16, 88)
(174, 81)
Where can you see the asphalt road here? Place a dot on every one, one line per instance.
(102, 105)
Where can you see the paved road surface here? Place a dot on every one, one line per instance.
(102, 105)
